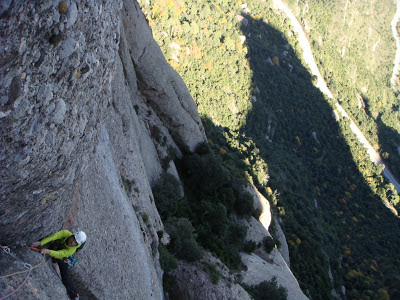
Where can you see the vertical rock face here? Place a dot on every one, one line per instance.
(56, 69)
(89, 115)
(159, 83)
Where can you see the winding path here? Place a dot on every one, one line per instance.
(321, 84)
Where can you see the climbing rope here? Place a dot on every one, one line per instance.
(16, 273)
(26, 265)
(6, 296)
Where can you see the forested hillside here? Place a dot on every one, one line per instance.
(263, 114)
(355, 49)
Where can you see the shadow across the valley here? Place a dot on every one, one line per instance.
(389, 138)
(332, 219)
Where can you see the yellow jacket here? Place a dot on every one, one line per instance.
(60, 246)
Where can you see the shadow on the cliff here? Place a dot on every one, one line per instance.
(327, 207)
(389, 141)
(389, 138)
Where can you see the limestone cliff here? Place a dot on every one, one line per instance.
(90, 113)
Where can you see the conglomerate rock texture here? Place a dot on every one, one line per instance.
(89, 113)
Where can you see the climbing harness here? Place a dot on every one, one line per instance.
(71, 261)
(26, 266)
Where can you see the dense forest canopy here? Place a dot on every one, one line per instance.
(264, 115)
(354, 46)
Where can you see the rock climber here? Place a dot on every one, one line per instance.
(59, 246)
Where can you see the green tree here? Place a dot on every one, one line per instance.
(183, 239)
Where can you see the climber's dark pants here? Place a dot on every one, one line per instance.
(66, 279)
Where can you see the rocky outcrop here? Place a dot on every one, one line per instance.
(206, 279)
(260, 265)
(159, 83)
(284, 248)
(90, 115)
(261, 204)
(258, 233)
(265, 267)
